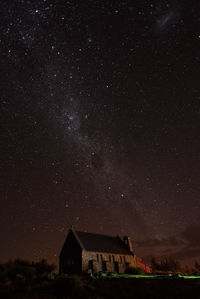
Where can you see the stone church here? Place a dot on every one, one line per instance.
(83, 251)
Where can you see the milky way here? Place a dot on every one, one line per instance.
(168, 16)
(100, 123)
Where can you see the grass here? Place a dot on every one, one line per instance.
(150, 276)
(191, 277)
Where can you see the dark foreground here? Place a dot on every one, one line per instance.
(75, 287)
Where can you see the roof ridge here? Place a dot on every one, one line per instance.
(112, 236)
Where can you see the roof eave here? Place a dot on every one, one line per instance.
(77, 238)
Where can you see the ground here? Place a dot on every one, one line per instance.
(118, 287)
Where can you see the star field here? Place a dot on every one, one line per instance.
(100, 123)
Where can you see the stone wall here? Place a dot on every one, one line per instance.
(112, 261)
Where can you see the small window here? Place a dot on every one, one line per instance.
(124, 259)
(121, 259)
(97, 257)
(101, 257)
(109, 258)
(113, 258)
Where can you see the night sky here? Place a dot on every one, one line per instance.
(100, 122)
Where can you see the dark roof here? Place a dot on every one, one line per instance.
(101, 243)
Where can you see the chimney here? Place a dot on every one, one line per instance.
(128, 243)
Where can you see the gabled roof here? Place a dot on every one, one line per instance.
(101, 243)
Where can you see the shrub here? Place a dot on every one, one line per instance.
(43, 267)
(135, 270)
(167, 264)
(24, 270)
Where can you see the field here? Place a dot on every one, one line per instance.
(119, 286)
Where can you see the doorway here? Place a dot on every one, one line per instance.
(116, 267)
(104, 266)
(90, 265)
